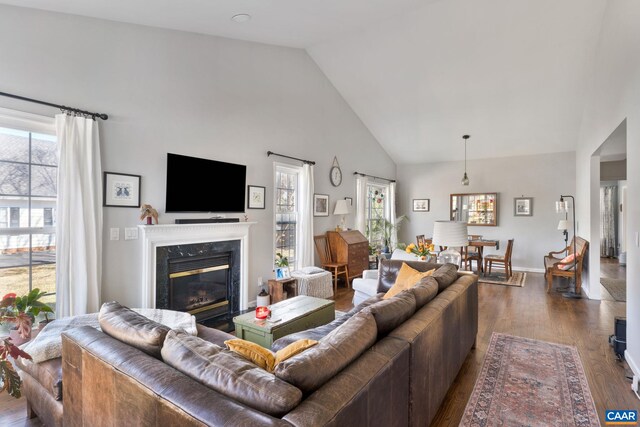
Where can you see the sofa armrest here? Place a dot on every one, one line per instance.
(370, 274)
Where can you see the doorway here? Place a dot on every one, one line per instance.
(608, 257)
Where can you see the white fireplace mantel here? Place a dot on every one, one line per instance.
(153, 236)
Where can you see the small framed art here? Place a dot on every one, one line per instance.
(255, 197)
(121, 190)
(320, 205)
(421, 205)
(523, 206)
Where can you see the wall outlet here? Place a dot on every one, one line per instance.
(114, 233)
(131, 233)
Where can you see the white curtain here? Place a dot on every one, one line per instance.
(79, 217)
(305, 234)
(361, 204)
(608, 221)
(391, 209)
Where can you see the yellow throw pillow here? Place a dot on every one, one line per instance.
(407, 278)
(294, 348)
(261, 356)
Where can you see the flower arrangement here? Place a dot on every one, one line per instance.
(149, 213)
(420, 250)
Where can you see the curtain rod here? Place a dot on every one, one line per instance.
(373, 176)
(62, 107)
(309, 162)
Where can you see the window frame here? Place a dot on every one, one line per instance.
(371, 186)
(291, 169)
(33, 124)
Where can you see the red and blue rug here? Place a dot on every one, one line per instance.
(526, 382)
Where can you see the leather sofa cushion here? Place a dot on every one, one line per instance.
(213, 335)
(392, 312)
(48, 374)
(314, 367)
(132, 328)
(322, 331)
(229, 374)
(445, 276)
(425, 291)
(389, 268)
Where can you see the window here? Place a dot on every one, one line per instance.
(286, 211)
(377, 214)
(28, 169)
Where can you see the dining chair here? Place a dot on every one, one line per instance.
(336, 268)
(470, 254)
(504, 260)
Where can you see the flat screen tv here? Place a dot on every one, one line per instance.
(202, 185)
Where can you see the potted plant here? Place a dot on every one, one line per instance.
(11, 313)
(281, 261)
(21, 312)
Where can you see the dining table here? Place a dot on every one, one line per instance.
(481, 244)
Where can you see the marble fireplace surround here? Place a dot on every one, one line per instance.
(154, 236)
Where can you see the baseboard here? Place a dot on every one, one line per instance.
(529, 270)
(632, 364)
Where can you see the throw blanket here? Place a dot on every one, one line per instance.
(48, 344)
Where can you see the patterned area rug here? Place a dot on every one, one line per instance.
(616, 287)
(517, 279)
(527, 382)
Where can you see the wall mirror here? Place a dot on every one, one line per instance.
(475, 208)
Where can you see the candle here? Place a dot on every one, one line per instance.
(262, 312)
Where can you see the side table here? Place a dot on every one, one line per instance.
(280, 290)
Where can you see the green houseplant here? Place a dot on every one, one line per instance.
(13, 310)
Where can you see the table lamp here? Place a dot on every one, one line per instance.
(342, 208)
(452, 234)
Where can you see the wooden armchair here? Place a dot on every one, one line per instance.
(554, 267)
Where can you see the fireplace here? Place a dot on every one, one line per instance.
(162, 242)
(201, 278)
(200, 285)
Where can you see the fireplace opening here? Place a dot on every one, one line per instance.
(201, 285)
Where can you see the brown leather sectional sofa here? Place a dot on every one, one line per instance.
(400, 380)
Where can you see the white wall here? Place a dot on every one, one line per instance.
(614, 96)
(168, 91)
(543, 177)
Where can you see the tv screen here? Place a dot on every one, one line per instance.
(201, 185)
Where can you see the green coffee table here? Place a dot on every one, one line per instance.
(288, 316)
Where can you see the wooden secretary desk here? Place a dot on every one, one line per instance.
(350, 247)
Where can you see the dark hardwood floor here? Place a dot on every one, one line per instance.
(527, 312)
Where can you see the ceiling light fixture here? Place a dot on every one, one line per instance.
(465, 178)
(241, 17)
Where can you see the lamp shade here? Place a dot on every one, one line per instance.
(563, 224)
(562, 206)
(450, 233)
(342, 208)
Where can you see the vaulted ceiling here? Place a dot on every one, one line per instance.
(514, 74)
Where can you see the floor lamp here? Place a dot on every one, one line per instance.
(562, 207)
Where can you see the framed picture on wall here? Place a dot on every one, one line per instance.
(523, 206)
(255, 197)
(421, 205)
(121, 190)
(320, 205)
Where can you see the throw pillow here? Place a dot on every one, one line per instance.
(294, 348)
(265, 358)
(253, 352)
(312, 270)
(445, 276)
(407, 278)
(569, 259)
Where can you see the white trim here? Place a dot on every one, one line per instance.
(632, 364)
(154, 236)
(27, 121)
(292, 169)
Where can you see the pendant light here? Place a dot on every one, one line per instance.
(465, 178)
